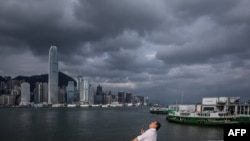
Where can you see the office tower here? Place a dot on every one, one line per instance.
(70, 92)
(62, 94)
(36, 93)
(91, 94)
(86, 90)
(79, 82)
(45, 92)
(121, 97)
(99, 97)
(108, 99)
(145, 101)
(80, 89)
(128, 98)
(25, 93)
(53, 76)
(41, 93)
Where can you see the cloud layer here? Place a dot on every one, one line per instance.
(161, 49)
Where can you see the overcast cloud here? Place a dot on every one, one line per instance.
(160, 49)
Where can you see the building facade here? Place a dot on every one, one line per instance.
(25, 93)
(70, 92)
(53, 76)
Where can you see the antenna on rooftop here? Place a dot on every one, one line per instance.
(181, 97)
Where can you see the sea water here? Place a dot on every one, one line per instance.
(93, 124)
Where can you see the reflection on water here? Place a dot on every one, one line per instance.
(98, 124)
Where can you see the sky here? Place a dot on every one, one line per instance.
(171, 51)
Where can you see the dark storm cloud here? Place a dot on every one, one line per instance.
(212, 30)
(156, 48)
(112, 17)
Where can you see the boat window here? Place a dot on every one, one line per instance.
(185, 114)
(208, 109)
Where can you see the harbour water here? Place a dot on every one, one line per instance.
(93, 124)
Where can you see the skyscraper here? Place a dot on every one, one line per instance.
(79, 82)
(53, 76)
(25, 93)
(70, 92)
(86, 90)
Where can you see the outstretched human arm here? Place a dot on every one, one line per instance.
(136, 138)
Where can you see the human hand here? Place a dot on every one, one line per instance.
(142, 130)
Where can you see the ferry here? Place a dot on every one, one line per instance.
(84, 105)
(71, 105)
(213, 111)
(158, 109)
(57, 105)
(203, 118)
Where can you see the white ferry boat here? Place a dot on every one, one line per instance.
(157, 109)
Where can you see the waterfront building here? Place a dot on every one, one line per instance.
(99, 90)
(36, 93)
(25, 93)
(85, 91)
(62, 93)
(2, 85)
(121, 97)
(128, 98)
(138, 100)
(7, 100)
(53, 76)
(8, 84)
(70, 92)
(81, 89)
(91, 94)
(108, 99)
(44, 92)
(79, 82)
(99, 97)
(16, 90)
(146, 101)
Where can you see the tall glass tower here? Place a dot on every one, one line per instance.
(25, 93)
(53, 76)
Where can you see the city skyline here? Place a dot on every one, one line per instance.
(168, 50)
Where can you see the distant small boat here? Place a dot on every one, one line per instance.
(84, 105)
(71, 105)
(105, 105)
(157, 109)
(57, 105)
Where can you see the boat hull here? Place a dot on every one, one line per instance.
(157, 109)
(203, 121)
(158, 112)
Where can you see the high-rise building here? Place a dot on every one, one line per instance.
(70, 92)
(45, 92)
(79, 82)
(99, 90)
(128, 98)
(121, 97)
(80, 89)
(99, 97)
(91, 94)
(84, 91)
(62, 94)
(53, 76)
(25, 93)
(41, 93)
